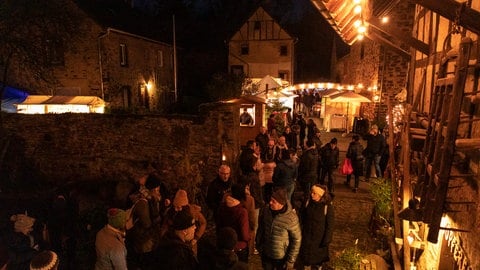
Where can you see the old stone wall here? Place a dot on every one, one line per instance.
(97, 147)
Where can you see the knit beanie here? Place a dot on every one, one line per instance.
(227, 238)
(45, 260)
(117, 218)
(181, 198)
(21, 222)
(280, 195)
(238, 192)
(183, 220)
(152, 182)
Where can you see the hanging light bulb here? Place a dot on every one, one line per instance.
(357, 9)
(357, 23)
(385, 19)
(362, 29)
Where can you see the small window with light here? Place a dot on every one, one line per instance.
(123, 55)
(247, 115)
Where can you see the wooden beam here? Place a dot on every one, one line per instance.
(378, 38)
(400, 35)
(469, 18)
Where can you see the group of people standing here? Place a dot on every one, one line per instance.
(273, 168)
(374, 154)
(255, 210)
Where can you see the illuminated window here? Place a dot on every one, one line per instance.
(123, 55)
(247, 115)
(160, 58)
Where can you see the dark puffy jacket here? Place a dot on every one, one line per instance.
(285, 173)
(354, 153)
(173, 253)
(329, 156)
(279, 235)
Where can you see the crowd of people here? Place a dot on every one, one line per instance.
(276, 201)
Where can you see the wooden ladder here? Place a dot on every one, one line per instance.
(441, 142)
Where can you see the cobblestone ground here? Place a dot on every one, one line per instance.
(352, 211)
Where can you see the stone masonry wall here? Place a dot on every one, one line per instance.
(97, 147)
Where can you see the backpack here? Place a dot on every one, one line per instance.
(131, 220)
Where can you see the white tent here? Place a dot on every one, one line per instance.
(42, 104)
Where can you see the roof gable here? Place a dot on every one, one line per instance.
(260, 26)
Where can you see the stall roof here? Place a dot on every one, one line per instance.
(70, 100)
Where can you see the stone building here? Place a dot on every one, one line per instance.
(260, 48)
(129, 71)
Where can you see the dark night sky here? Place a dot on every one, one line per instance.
(203, 26)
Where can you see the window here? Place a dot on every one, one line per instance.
(283, 74)
(247, 115)
(123, 55)
(257, 25)
(54, 52)
(244, 49)
(283, 50)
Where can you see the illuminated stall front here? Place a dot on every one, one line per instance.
(43, 104)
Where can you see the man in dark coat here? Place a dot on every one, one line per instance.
(317, 227)
(247, 157)
(329, 156)
(373, 152)
(218, 187)
(285, 173)
(175, 251)
(262, 140)
(354, 153)
(307, 169)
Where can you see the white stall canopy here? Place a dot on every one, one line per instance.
(42, 104)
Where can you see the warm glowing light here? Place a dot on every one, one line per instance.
(329, 85)
(350, 87)
(311, 85)
(356, 2)
(224, 157)
(302, 86)
(357, 9)
(385, 19)
(149, 86)
(360, 36)
(321, 85)
(374, 88)
(362, 29)
(376, 98)
(357, 23)
(340, 87)
(360, 85)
